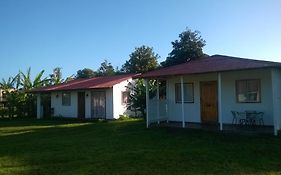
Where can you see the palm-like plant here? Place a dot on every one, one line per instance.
(7, 84)
(26, 80)
(27, 83)
(56, 76)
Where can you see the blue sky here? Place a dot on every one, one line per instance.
(74, 34)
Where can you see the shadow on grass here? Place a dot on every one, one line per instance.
(126, 147)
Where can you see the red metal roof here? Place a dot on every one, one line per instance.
(215, 63)
(87, 83)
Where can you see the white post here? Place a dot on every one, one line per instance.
(182, 103)
(157, 97)
(220, 101)
(274, 103)
(167, 101)
(147, 99)
(38, 106)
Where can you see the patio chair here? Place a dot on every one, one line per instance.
(259, 118)
(242, 118)
(251, 117)
(234, 119)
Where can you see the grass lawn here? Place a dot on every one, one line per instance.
(127, 147)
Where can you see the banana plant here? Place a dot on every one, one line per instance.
(7, 84)
(27, 83)
(56, 76)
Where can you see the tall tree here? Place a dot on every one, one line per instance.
(85, 73)
(143, 59)
(188, 47)
(105, 69)
(56, 76)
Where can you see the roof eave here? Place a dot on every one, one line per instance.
(172, 75)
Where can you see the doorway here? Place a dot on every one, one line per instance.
(81, 105)
(209, 102)
(98, 104)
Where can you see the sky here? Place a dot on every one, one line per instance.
(77, 34)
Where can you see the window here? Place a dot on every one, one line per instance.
(125, 97)
(248, 91)
(188, 93)
(66, 99)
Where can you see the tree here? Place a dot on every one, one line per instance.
(56, 76)
(70, 78)
(27, 83)
(7, 84)
(20, 102)
(85, 73)
(143, 59)
(188, 47)
(105, 69)
(138, 95)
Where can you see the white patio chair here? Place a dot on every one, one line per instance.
(259, 118)
(242, 118)
(234, 119)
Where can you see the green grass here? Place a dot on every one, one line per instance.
(30, 147)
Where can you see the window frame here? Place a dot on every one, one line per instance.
(259, 90)
(180, 101)
(63, 101)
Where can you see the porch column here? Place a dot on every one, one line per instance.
(275, 105)
(39, 106)
(147, 99)
(182, 103)
(167, 101)
(220, 101)
(158, 107)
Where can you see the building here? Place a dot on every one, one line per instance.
(99, 98)
(208, 90)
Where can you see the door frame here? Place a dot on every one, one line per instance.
(217, 101)
(78, 115)
(92, 105)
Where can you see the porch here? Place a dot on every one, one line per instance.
(227, 128)
(168, 112)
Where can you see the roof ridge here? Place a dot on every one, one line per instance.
(84, 83)
(242, 58)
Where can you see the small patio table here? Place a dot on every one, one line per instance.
(251, 118)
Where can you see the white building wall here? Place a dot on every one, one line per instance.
(88, 104)
(109, 103)
(229, 94)
(118, 107)
(64, 111)
(192, 110)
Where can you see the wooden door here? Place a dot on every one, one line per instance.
(209, 102)
(81, 105)
(46, 103)
(98, 104)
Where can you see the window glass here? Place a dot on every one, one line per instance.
(188, 93)
(248, 91)
(66, 99)
(125, 97)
